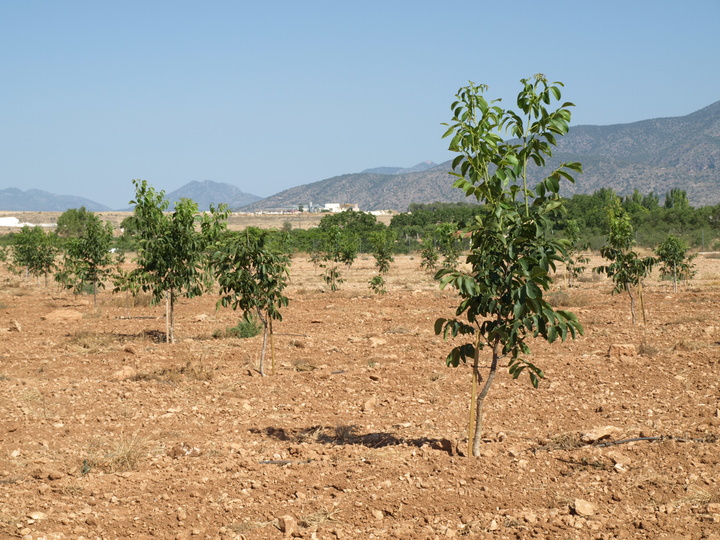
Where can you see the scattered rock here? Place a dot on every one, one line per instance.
(37, 515)
(713, 508)
(62, 315)
(15, 326)
(123, 374)
(378, 514)
(370, 404)
(619, 351)
(600, 433)
(287, 525)
(443, 444)
(55, 475)
(583, 508)
(376, 342)
(184, 450)
(130, 349)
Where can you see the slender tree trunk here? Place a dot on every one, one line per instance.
(95, 294)
(264, 343)
(170, 316)
(473, 394)
(272, 346)
(632, 301)
(642, 302)
(477, 437)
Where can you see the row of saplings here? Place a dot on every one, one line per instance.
(512, 248)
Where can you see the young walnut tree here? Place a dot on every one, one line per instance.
(172, 248)
(675, 262)
(627, 269)
(512, 248)
(253, 277)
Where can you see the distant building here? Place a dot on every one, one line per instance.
(337, 207)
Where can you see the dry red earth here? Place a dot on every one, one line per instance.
(108, 432)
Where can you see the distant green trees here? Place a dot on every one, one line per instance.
(72, 222)
(651, 221)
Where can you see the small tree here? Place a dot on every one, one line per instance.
(172, 258)
(383, 242)
(88, 258)
(574, 261)
(429, 254)
(512, 250)
(627, 269)
(675, 262)
(340, 246)
(252, 277)
(448, 240)
(35, 251)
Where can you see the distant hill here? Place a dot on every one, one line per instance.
(15, 200)
(422, 166)
(651, 155)
(369, 191)
(208, 192)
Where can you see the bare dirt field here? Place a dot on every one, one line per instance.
(108, 432)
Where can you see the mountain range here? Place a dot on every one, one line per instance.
(650, 155)
(16, 200)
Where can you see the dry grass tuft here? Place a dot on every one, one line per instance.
(124, 454)
(247, 526)
(648, 349)
(689, 345)
(303, 365)
(399, 330)
(699, 496)
(192, 370)
(566, 441)
(141, 299)
(92, 342)
(568, 299)
(319, 518)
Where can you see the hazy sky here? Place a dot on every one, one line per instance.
(271, 95)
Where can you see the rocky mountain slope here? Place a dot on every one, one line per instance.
(652, 155)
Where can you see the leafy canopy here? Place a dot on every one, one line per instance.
(513, 249)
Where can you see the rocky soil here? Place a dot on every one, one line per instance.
(108, 432)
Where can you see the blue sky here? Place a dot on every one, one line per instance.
(271, 95)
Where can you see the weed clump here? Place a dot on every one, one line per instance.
(248, 327)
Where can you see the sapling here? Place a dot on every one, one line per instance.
(512, 251)
(171, 247)
(627, 269)
(382, 242)
(675, 262)
(87, 256)
(575, 261)
(252, 277)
